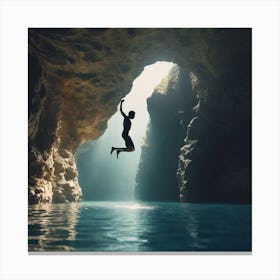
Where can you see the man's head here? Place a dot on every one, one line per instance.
(131, 114)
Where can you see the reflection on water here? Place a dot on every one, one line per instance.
(52, 226)
(136, 227)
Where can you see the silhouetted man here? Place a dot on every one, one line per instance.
(126, 127)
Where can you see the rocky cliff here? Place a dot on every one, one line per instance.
(78, 76)
(171, 102)
(215, 162)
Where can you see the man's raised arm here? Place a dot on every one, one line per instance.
(123, 114)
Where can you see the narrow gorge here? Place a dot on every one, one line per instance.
(198, 144)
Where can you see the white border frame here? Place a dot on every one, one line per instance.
(17, 16)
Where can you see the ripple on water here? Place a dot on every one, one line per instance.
(135, 226)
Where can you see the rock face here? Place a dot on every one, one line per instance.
(53, 175)
(78, 76)
(215, 162)
(156, 178)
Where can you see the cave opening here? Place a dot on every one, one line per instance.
(103, 176)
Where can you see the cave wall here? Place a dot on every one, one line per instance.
(156, 177)
(78, 76)
(52, 171)
(215, 162)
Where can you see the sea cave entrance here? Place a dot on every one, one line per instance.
(103, 176)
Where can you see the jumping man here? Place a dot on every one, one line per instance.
(126, 127)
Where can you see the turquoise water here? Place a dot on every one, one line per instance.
(138, 227)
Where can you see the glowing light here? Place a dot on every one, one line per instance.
(143, 87)
(135, 207)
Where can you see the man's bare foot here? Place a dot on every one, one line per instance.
(118, 153)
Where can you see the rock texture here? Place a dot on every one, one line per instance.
(53, 175)
(78, 76)
(215, 162)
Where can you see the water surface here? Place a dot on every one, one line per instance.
(138, 227)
